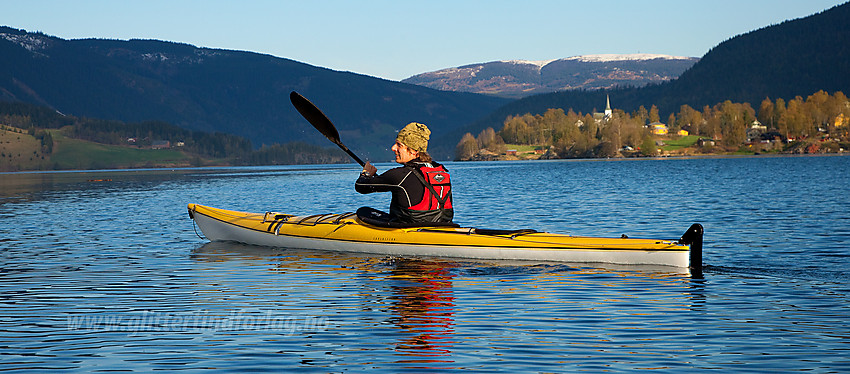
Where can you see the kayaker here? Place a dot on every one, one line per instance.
(421, 187)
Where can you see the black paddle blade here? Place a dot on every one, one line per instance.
(320, 121)
(315, 116)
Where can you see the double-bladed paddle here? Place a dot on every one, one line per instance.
(320, 121)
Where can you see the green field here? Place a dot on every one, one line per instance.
(20, 151)
(78, 154)
(679, 143)
(523, 148)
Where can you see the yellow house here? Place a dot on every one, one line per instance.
(658, 128)
(841, 120)
(683, 132)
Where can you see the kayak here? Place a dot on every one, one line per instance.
(359, 232)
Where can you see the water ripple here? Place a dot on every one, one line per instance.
(111, 276)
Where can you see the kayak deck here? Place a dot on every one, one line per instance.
(346, 232)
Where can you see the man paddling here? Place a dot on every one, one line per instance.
(421, 187)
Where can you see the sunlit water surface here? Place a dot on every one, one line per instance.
(103, 271)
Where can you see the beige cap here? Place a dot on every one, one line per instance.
(415, 136)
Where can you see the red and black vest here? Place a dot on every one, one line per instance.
(436, 204)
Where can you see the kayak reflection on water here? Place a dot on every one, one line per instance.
(417, 293)
(424, 306)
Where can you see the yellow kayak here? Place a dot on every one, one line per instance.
(351, 232)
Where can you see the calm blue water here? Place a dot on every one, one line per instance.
(110, 275)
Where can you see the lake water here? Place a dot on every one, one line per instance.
(103, 271)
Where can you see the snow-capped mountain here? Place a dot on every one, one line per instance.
(626, 57)
(519, 78)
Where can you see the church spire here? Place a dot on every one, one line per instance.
(608, 112)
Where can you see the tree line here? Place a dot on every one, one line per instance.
(231, 149)
(575, 135)
(144, 134)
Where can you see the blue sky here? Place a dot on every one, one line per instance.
(395, 39)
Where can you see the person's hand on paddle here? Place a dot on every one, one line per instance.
(369, 169)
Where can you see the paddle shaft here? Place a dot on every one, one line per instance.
(321, 122)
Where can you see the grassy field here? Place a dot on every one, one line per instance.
(79, 154)
(19, 150)
(522, 148)
(679, 143)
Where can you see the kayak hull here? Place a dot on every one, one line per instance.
(347, 233)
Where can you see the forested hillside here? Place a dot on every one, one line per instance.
(38, 138)
(213, 90)
(794, 58)
(820, 123)
(144, 83)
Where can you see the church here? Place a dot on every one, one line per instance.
(604, 116)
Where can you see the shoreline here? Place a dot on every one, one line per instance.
(351, 164)
(712, 155)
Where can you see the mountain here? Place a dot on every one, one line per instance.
(215, 90)
(794, 58)
(519, 78)
(247, 93)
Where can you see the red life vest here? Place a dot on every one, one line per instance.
(438, 191)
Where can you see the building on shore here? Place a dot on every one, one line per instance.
(605, 116)
(658, 128)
